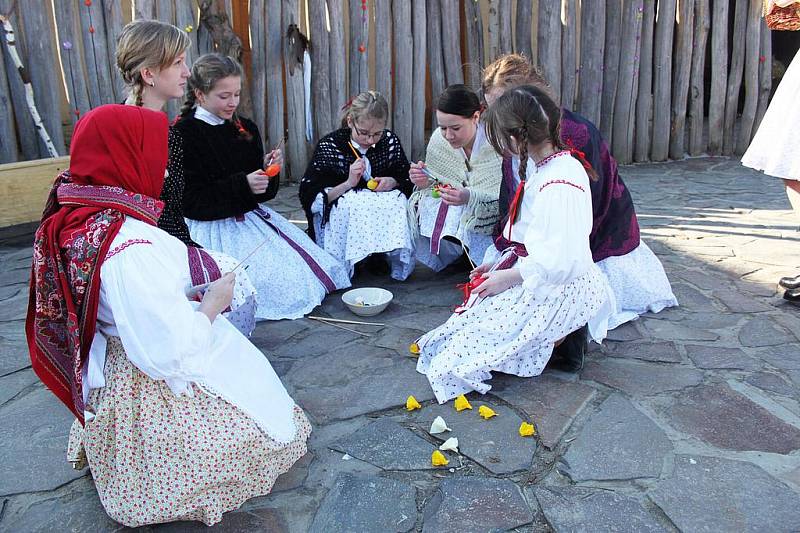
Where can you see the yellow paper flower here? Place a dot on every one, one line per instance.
(526, 430)
(189, 28)
(412, 403)
(413, 349)
(438, 459)
(486, 412)
(462, 403)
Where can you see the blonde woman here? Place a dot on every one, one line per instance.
(151, 57)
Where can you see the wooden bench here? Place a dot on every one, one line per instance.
(24, 187)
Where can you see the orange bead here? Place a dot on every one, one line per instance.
(272, 170)
(362, 48)
(91, 29)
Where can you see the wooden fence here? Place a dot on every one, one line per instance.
(661, 79)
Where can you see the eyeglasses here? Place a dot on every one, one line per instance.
(367, 135)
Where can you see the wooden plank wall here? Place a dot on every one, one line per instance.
(638, 69)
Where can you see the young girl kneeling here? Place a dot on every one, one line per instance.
(545, 284)
(355, 190)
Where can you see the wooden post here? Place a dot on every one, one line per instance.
(680, 82)
(403, 60)
(644, 97)
(294, 46)
(274, 74)
(451, 41)
(751, 86)
(418, 24)
(26, 132)
(359, 36)
(662, 82)
(504, 11)
(71, 62)
(320, 74)
(719, 77)
(144, 9)
(735, 76)
(165, 12)
(523, 27)
(8, 134)
(549, 43)
(41, 67)
(258, 51)
(435, 59)
(98, 79)
(569, 53)
(383, 52)
(114, 24)
(611, 67)
(624, 113)
(474, 30)
(186, 19)
(338, 58)
(493, 29)
(702, 22)
(590, 80)
(764, 74)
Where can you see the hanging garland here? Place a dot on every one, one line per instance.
(67, 46)
(362, 47)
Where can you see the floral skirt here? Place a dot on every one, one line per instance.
(157, 457)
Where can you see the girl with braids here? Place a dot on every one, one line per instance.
(355, 191)
(633, 271)
(457, 210)
(226, 192)
(151, 57)
(544, 285)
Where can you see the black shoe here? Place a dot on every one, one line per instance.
(568, 356)
(792, 296)
(790, 282)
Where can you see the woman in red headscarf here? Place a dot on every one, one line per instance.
(180, 417)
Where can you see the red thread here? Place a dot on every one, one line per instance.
(118, 249)
(561, 182)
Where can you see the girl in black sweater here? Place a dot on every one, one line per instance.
(226, 187)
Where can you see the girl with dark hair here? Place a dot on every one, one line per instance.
(355, 190)
(455, 205)
(633, 270)
(544, 285)
(225, 194)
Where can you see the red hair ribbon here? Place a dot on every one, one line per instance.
(512, 216)
(577, 154)
(347, 104)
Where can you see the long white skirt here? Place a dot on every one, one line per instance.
(364, 223)
(437, 221)
(775, 149)
(291, 273)
(511, 332)
(639, 283)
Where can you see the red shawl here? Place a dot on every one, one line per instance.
(118, 156)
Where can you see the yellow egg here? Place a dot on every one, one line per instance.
(372, 185)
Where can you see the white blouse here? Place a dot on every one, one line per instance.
(554, 224)
(143, 302)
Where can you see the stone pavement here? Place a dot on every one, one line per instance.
(687, 420)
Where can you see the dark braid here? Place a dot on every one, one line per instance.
(188, 105)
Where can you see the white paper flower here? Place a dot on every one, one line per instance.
(450, 445)
(439, 426)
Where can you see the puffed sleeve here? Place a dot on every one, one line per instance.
(557, 237)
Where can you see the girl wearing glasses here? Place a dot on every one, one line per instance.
(455, 206)
(355, 191)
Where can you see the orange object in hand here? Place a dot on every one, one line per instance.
(272, 170)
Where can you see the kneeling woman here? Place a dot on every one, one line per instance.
(355, 190)
(225, 193)
(457, 211)
(180, 417)
(545, 285)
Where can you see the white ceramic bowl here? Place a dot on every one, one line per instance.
(367, 301)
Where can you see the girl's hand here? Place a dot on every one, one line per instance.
(480, 270)
(417, 176)
(498, 281)
(275, 157)
(258, 181)
(218, 296)
(356, 171)
(454, 195)
(385, 184)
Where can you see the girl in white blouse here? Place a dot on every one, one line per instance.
(546, 284)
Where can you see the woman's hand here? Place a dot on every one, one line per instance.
(218, 296)
(275, 157)
(258, 181)
(454, 195)
(385, 184)
(417, 176)
(356, 171)
(497, 281)
(480, 270)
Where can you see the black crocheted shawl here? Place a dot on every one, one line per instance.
(331, 162)
(171, 219)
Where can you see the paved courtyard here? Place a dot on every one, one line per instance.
(688, 420)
